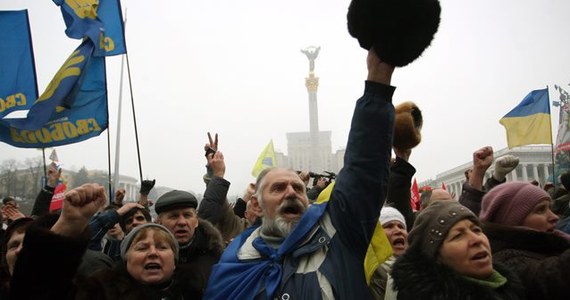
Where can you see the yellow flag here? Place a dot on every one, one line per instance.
(265, 160)
(379, 249)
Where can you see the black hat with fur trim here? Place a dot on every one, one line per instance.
(407, 130)
(399, 30)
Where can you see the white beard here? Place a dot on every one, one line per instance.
(279, 226)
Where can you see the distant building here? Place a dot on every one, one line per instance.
(535, 163)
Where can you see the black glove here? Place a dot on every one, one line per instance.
(146, 186)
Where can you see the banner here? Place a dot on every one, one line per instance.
(18, 84)
(72, 109)
(100, 20)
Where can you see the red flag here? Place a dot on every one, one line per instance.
(443, 186)
(415, 200)
(58, 196)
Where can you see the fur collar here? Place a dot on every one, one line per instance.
(417, 277)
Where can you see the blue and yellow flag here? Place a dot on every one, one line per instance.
(379, 249)
(529, 122)
(18, 84)
(99, 20)
(60, 92)
(265, 160)
(72, 109)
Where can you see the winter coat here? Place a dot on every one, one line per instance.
(47, 269)
(323, 256)
(418, 277)
(215, 208)
(542, 260)
(204, 251)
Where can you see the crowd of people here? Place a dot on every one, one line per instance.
(498, 240)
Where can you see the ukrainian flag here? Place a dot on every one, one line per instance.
(379, 249)
(529, 122)
(265, 160)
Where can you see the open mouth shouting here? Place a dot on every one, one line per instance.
(481, 257)
(292, 209)
(152, 267)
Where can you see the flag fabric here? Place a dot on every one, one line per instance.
(59, 91)
(379, 249)
(58, 197)
(529, 122)
(53, 156)
(18, 84)
(443, 187)
(265, 160)
(72, 109)
(100, 20)
(415, 199)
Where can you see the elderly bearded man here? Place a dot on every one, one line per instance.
(316, 252)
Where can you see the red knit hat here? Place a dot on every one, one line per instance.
(509, 203)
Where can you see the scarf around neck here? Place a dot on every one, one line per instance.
(233, 278)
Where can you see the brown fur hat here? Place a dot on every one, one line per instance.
(399, 30)
(408, 125)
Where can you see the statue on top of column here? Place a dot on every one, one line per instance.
(311, 52)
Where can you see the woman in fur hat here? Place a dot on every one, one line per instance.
(449, 257)
(521, 228)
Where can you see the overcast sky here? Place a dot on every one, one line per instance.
(235, 68)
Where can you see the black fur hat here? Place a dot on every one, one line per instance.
(399, 30)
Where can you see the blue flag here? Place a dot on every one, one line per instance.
(18, 87)
(99, 20)
(59, 92)
(75, 104)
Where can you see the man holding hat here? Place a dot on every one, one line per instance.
(200, 243)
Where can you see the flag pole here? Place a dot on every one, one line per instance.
(551, 140)
(44, 160)
(133, 108)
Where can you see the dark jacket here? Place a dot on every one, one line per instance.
(472, 197)
(418, 277)
(116, 283)
(542, 260)
(47, 269)
(216, 209)
(43, 201)
(323, 256)
(399, 193)
(204, 251)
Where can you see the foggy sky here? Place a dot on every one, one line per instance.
(234, 67)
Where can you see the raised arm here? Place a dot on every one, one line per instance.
(360, 188)
(399, 186)
(58, 250)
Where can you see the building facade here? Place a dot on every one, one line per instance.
(535, 163)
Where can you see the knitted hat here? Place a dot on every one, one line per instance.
(388, 214)
(509, 203)
(175, 199)
(433, 224)
(126, 243)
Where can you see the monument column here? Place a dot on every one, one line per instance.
(312, 84)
